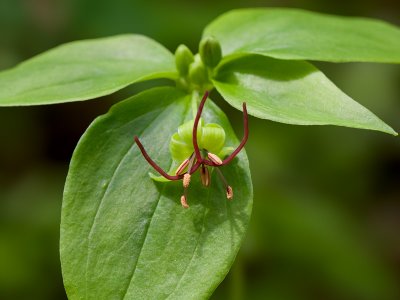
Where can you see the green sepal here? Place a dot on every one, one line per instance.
(213, 138)
(209, 136)
(179, 149)
(185, 131)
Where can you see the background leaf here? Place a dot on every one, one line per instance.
(291, 92)
(125, 236)
(85, 69)
(299, 34)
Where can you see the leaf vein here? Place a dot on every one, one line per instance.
(195, 249)
(149, 225)
(102, 198)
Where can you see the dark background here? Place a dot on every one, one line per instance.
(326, 214)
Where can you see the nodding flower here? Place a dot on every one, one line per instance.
(200, 157)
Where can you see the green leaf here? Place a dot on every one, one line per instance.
(298, 34)
(125, 236)
(292, 92)
(84, 70)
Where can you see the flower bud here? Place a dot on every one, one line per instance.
(198, 73)
(183, 58)
(210, 51)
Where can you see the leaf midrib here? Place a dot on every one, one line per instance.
(151, 218)
(103, 196)
(195, 249)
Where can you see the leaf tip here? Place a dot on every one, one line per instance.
(390, 130)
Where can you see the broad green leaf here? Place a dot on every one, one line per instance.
(126, 236)
(292, 92)
(298, 34)
(84, 70)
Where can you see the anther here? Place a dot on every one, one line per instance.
(186, 180)
(228, 188)
(183, 202)
(205, 175)
(214, 158)
(180, 170)
(229, 193)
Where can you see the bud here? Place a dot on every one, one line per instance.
(214, 158)
(183, 202)
(183, 58)
(186, 180)
(229, 193)
(210, 51)
(198, 73)
(205, 176)
(182, 167)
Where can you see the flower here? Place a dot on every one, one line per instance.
(199, 156)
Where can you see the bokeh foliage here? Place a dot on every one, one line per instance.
(326, 207)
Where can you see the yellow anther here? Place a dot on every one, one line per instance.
(214, 158)
(229, 193)
(186, 180)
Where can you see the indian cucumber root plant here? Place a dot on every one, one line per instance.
(124, 233)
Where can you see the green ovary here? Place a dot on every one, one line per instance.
(210, 137)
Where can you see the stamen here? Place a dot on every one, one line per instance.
(214, 158)
(191, 162)
(205, 176)
(228, 188)
(183, 202)
(229, 193)
(180, 170)
(186, 180)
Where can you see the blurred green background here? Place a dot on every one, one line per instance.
(326, 215)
